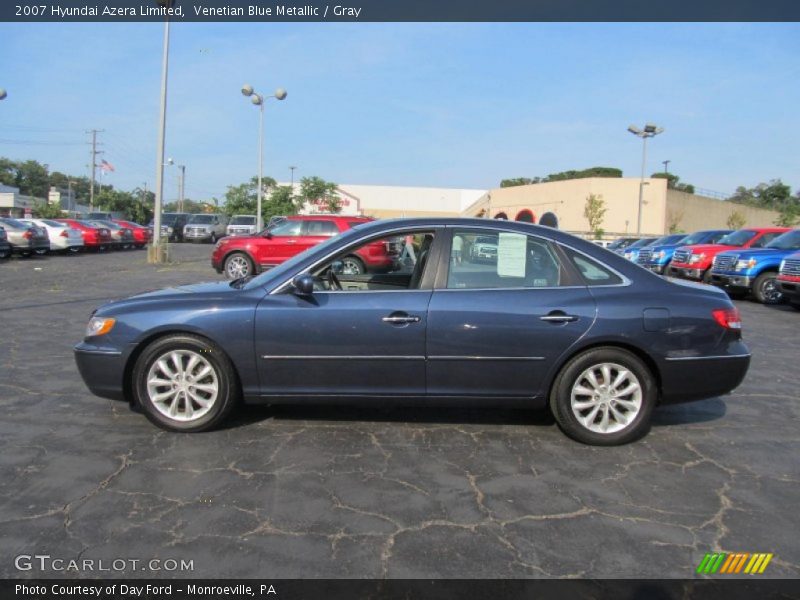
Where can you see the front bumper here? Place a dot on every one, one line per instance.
(686, 273)
(200, 236)
(790, 290)
(102, 370)
(733, 282)
(657, 269)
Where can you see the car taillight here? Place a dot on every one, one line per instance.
(729, 318)
(64, 233)
(28, 234)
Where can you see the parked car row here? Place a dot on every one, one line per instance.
(28, 236)
(762, 261)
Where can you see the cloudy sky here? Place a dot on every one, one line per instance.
(453, 105)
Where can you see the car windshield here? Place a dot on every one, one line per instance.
(284, 268)
(243, 220)
(696, 238)
(642, 243)
(202, 219)
(90, 224)
(168, 218)
(788, 241)
(106, 224)
(621, 243)
(738, 238)
(669, 240)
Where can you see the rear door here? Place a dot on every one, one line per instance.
(498, 321)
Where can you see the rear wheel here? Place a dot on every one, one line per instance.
(238, 265)
(765, 289)
(604, 397)
(185, 383)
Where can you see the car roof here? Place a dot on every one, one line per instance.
(329, 217)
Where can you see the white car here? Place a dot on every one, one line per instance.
(242, 225)
(63, 238)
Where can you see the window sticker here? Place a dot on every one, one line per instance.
(511, 254)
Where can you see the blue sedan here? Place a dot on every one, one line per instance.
(547, 321)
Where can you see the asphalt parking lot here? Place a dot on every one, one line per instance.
(344, 492)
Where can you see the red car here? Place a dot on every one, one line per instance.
(694, 262)
(242, 256)
(141, 234)
(95, 238)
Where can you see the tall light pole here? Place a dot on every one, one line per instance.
(666, 165)
(181, 186)
(649, 131)
(156, 254)
(292, 168)
(258, 100)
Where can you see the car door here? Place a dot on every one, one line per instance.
(279, 243)
(496, 324)
(356, 341)
(315, 231)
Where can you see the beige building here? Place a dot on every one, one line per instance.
(662, 209)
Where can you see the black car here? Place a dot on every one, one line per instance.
(552, 322)
(5, 247)
(172, 225)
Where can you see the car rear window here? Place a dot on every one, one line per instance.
(593, 272)
(321, 228)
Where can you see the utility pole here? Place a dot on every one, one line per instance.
(292, 170)
(95, 152)
(666, 166)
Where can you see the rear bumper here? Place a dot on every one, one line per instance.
(685, 379)
(102, 370)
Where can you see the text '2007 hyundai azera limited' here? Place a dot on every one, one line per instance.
(544, 320)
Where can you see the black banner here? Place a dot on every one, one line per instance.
(398, 10)
(746, 588)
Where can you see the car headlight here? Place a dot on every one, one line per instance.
(743, 265)
(783, 264)
(169, 229)
(696, 258)
(99, 326)
(627, 255)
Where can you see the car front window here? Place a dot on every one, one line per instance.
(788, 241)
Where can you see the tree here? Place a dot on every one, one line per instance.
(789, 215)
(281, 202)
(673, 182)
(735, 220)
(774, 195)
(564, 175)
(32, 179)
(594, 210)
(45, 210)
(516, 181)
(318, 192)
(242, 199)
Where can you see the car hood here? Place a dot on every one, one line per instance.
(706, 248)
(213, 288)
(762, 253)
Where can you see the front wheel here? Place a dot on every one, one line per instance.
(185, 383)
(765, 289)
(604, 397)
(238, 265)
(352, 265)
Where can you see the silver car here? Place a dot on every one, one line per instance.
(242, 225)
(205, 228)
(63, 238)
(25, 239)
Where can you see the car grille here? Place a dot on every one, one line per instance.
(681, 256)
(791, 267)
(644, 257)
(239, 230)
(725, 262)
(195, 231)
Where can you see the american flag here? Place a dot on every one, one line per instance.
(106, 166)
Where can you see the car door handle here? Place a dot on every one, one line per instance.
(399, 320)
(558, 316)
(291, 241)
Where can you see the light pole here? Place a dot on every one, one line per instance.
(292, 168)
(649, 131)
(258, 100)
(181, 186)
(156, 253)
(666, 166)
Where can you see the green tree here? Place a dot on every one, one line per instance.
(32, 179)
(8, 172)
(735, 220)
(594, 211)
(774, 195)
(516, 181)
(281, 202)
(673, 182)
(789, 215)
(45, 210)
(317, 191)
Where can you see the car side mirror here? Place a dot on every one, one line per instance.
(303, 285)
(267, 235)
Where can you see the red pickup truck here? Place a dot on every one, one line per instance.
(694, 262)
(241, 256)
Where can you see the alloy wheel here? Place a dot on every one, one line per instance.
(606, 398)
(182, 385)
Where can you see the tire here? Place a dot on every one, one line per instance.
(766, 290)
(352, 265)
(567, 402)
(238, 265)
(181, 403)
(795, 305)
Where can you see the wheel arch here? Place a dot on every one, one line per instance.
(244, 251)
(145, 342)
(638, 352)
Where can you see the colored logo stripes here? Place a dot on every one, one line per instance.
(734, 562)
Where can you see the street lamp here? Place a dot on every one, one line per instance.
(649, 131)
(258, 100)
(156, 250)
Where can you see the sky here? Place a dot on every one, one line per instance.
(441, 104)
